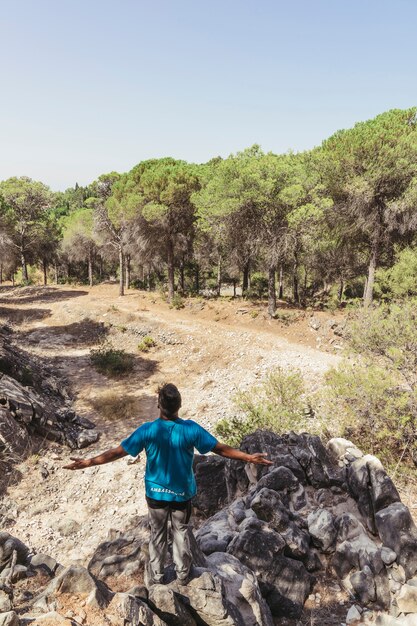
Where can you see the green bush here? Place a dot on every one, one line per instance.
(277, 404)
(367, 404)
(146, 344)
(399, 281)
(107, 360)
(177, 302)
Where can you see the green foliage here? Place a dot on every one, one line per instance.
(107, 360)
(177, 302)
(286, 317)
(366, 403)
(146, 344)
(277, 404)
(399, 281)
(258, 285)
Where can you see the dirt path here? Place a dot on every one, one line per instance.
(210, 349)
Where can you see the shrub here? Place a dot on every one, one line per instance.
(399, 281)
(115, 406)
(277, 404)
(177, 302)
(107, 360)
(285, 317)
(146, 344)
(365, 403)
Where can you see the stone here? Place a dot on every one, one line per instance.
(397, 531)
(353, 615)
(5, 602)
(44, 562)
(68, 527)
(75, 580)
(241, 588)
(53, 617)
(406, 599)
(9, 618)
(132, 611)
(166, 604)
(14, 438)
(19, 573)
(398, 574)
(278, 479)
(358, 481)
(85, 438)
(322, 529)
(211, 484)
(216, 534)
(388, 555)
(363, 585)
(383, 490)
(8, 544)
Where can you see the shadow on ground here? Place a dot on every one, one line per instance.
(27, 295)
(23, 316)
(86, 332)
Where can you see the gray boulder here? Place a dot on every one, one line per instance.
(397, 531)
(75, 580)
(322, 529)
(14, 438)
(9, 618)
(166, 604)
(9, 544)
(211, 484)
(132, 611)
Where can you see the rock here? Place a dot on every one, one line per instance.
(383, 490)
(208, 601)
(53, 617)
(241, 588)
(75, 580)
(322, 529)
(19, 573)
(125, 553)
(315, 460)
(211, 484)
(216, 534)
(398, 574)
(314, 323)
(406, 599)
(16, 398)
(45, 562)
(358, 481)
(8, 544)
(68, 527)
(86, 437)
(363, 585)
(166, 604)
(278, 479)
(132, 611)
(5, 602)
(353, 615)
(388, 555)
(397, 531)
(9, 618)
(14, 438)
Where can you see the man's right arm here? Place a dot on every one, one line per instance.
(223, 449)
(106, 457)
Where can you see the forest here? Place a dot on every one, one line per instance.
(333, 225)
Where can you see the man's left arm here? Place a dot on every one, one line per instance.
(223, 449)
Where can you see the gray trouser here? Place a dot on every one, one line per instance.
(158, 544)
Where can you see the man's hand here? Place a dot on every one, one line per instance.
(78, 464)
(259, 459)
(223, 449)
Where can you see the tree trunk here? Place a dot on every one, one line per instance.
(56, 273)
(90, 269)
(171, 271)
(341, 289)
(148, 279)
(234, 288)
(281, 283)
(100, 269)
(25, 277)
(182, 276)
(121, 272)
(1, 273)
(245, 282)
(272, 296)
(295, 281)
(45, 271)
(369, 285)
(197, 278)
(219, 275)
(127, 264)
(13, 273)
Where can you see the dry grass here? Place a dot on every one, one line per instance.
(113, 406)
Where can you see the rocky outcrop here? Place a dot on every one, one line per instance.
(319, 511)
(33, 402)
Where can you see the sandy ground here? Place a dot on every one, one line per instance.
(210, 349)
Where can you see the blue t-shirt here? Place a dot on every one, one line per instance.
(169, 447)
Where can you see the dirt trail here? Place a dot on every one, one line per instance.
(210, 349)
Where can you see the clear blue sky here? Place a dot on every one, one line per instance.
(90, 86)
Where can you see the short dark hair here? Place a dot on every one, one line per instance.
(169, 399)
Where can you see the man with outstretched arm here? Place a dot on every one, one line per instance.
(169, 443)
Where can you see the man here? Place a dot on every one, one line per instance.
(169, 442)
